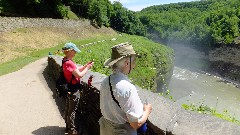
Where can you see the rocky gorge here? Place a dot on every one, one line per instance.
(225, 61)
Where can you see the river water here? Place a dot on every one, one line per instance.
(188, 87)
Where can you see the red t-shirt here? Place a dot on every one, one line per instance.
(68, 67)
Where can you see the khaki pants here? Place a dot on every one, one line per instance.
(109, 128)
(72, 116)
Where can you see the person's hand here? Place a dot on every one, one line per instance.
(148, 108)
(90, 64)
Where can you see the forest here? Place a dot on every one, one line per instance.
(204, 24)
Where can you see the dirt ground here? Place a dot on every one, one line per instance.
(27, 103)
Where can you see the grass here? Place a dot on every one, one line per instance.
(204, 109)
(20, 62)
(71, 15)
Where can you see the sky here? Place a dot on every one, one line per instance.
(137, 5)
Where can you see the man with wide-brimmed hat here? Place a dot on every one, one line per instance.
(122, 110)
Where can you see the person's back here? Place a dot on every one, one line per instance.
(125, 93)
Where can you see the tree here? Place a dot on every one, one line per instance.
(100, 12)
(202, 23)
(125, 20)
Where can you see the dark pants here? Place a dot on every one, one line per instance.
(72, 116)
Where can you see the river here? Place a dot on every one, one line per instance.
(189, 86)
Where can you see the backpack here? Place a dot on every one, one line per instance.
(61, 83)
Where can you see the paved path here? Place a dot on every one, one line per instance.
(27, 105)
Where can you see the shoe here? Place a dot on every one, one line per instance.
(66, 130)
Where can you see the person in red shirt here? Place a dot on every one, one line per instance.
(73, 73)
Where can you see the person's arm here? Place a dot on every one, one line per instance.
(137, 113)
(146, 113)
(79, 74)
(81, 68)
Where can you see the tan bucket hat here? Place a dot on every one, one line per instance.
(118, 52)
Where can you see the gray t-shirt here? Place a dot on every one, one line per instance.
(127, 96)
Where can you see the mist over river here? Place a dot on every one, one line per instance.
(191, 86)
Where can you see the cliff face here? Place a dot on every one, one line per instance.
(226, 54)
(225, 61)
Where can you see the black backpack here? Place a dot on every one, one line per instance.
(61, 83)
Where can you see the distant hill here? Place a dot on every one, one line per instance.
(204, 24)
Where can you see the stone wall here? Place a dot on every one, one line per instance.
(10, 23)
(167, 118)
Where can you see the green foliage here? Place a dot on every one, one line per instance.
(20, 62)
(144, 74)
(71, 15)
(62, 10)
(224, 26)
(98, 11)
(167, 95)
(65, 12)
(81, 8)
(126, 21)
(201, 24)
